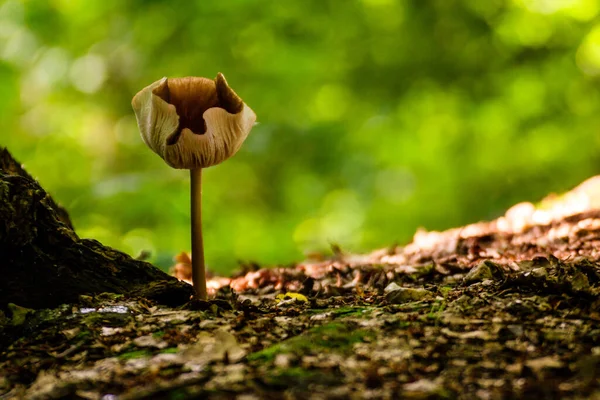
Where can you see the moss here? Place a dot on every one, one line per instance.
(83, 335)
(169, 350)
(19, 314)
(400, 324)
(444, 290)
(106, 319)
(346, 311)
(338, 337)
(424, 270)
(351, 311)
(435, 313)
(269, 353)
(107, 296)
(134, 354)
(178, 394)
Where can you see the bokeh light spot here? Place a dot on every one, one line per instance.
(330, 103)
(88, 73)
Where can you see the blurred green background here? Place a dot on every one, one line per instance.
(376, 116)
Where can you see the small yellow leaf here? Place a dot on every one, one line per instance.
(292, 295)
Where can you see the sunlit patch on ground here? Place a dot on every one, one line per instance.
(565, 226)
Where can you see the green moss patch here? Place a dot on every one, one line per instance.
(135, 354)
(337, 337)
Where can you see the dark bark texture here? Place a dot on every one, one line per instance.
(43, 263)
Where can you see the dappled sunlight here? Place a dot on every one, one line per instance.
(522, 216)
(588, 54)
(537, 224)
(579, 9)
(565, 226)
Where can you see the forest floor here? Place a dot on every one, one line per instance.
(488, 311)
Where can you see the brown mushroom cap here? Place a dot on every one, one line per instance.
(192, 122)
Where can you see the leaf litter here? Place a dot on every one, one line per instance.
(477, 313)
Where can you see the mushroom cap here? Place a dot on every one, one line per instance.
(192, 122)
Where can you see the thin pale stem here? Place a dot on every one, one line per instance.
(198, 267)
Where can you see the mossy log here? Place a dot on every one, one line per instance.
(43, 263)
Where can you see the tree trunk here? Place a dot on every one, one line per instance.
(43, 263)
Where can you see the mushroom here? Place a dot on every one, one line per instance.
(193, 123)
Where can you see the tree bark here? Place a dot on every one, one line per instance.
(43, 263)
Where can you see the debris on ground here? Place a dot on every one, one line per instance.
(490, 311)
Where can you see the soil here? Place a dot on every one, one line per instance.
(454, 315)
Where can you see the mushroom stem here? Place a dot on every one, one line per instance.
(198, 267)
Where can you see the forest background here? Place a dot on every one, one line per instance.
(377, 117)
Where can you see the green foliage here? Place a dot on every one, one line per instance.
(376, 116)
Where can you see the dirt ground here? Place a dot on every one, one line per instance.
(473, 313)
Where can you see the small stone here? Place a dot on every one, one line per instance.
(391, 287)
(283, 360)
(480, 273)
